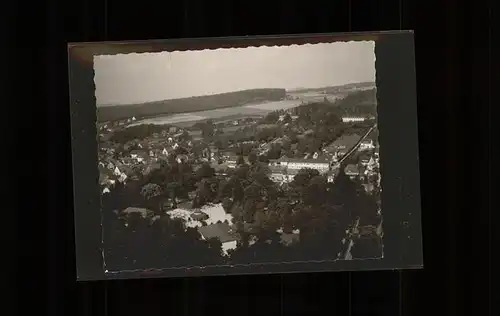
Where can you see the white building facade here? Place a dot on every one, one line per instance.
(321, 166)
(352, 119)
(366, 145)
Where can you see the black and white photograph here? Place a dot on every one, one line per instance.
(239, 156)
(244, 156)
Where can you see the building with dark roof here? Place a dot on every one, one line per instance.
(351, 170)
(221, 231)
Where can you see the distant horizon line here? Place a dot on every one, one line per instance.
(205, 95)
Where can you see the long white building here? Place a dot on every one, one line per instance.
(353, 119)
(322, 165)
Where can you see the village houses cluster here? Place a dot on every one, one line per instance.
(120, 162)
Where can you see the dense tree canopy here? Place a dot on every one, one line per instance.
(146, 243)
(260, 208)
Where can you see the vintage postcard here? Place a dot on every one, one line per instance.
(254, 155)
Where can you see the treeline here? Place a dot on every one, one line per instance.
(193, 104)
(362, 102)
(350, 87)
(337, 89)
(137, 132)
(359, 103)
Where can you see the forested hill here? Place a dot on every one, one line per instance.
(360, 97)
(362, 102)
(201, 103)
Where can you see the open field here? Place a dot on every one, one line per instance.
(273, 106)
(234, 112)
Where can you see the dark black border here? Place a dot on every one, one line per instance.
(397, 117)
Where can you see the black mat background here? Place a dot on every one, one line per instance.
(454, 114)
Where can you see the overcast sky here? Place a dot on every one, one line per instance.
(137, 78)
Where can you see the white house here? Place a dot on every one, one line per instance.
(372, 162)
(364, 162)
(282, 174)
(369, 187)
(371, 166)
(330, 178)
(335, 158)
(123, 177)
(231, 161)
(333, 173)
(216, 213)
(185, 216)
(290, 174)
(366, 144)
(352, 119)
(278, 173)
(278, 177)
